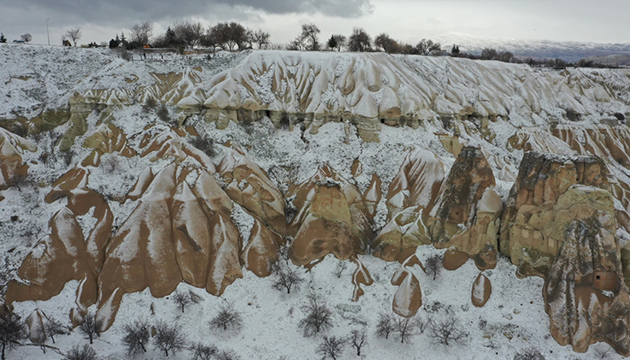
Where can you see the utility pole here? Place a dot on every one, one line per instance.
(47, 32)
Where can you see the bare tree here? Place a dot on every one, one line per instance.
(188, 33)
(331, 347)
(308, 39)
(286, 277)
(434, 265)
(168, 338)
(227, 355)
(529, 353)
(227, 317)
(446, 331)
(228, 36)
(203, 352)
(136, 337)
(12, 330)
(260, 38)
(385, 325)
(425, 47)
(81, 353)
(359, 40)
(385, 42)
(318, 315)
(358, 339)
(141, 33)
(26, 37)
(182, 300)
(74, 35)
(91, 328)
(54, 327)
(404, 329)
(341, 266)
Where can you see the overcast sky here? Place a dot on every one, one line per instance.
(604, 21)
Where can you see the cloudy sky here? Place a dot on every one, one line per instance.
(604, 21)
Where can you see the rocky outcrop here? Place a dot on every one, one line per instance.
(462, 210)
(530, 235)
(481, 290)
(107, 139)
(408, 297)
(249, 186)
(178, 232)
(361, 276)
(585, 295)
(262, 249)
(12, 167)
(331, 218)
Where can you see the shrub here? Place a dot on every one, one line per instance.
(149, 105)
(572, 115)
(203, 352)
(227, 355)
(205, 144)
(168, 338)
(529, 354)
(341, 266)
(53, 328)
(81, 353)
(620, 116)
(227, 317)
(136, 337)
(12, 330)
(318, 316)
(331, 347)
(163, 114)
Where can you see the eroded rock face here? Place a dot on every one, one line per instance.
(462, 210)
(408, 297)
(261, 251)
(178, 232)
(331, 218)
(249, 186)
(585, 295)
(12, 147)
(530, 232)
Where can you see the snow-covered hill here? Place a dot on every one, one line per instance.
(126, 182)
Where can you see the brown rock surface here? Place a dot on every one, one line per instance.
(361, 276)
(408, 297)
(35, 325)
(261, 251)
(331, 218)
(481, 290)
(249, 186)
(11, 165)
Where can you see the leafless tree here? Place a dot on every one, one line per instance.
(12, 330)
(318, 315)
(141, 33)
(359, 41)
(331, 347)
(203, 352)
(286, 277)
(91, 328)
(529, 353)
(404, 328)
(227, 355)
(188, 33)
(168, 338)
(136, 337)
(308, 39)
(84, 352)
(260, 38)
(228, 36)
(446, 331)
(182, 300)
(74, 35)
(433, 265)
(341, 266)
(54, 327)
(358, 338)
(227, 317)
(385, 325)
(26, 37)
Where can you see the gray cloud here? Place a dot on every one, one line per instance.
(121, 11)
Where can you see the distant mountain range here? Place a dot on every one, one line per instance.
(565, 50)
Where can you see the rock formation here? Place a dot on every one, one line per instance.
(12, 166)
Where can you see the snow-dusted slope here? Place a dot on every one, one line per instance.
(343, 151)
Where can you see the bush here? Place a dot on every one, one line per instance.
(168, 338)
(331, 347)
(205, 144)
(318, 316)
(203, 352)
(227, 317)
(572, 115)
(149, 105)
(529, 354)
(341, 266)
(163, 114)
(136, 337)
(81, 353)
(227, 355)
(620, 116)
